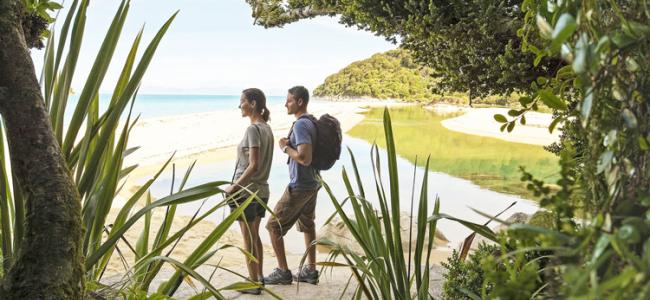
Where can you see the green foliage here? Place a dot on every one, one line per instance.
(467, 277)
(381, 270)
(471, 46)
(603, 179)
(595, 241)
(509, 276)
(389, 75)
(36, 20)
(42, 8)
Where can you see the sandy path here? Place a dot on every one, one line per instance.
(331, 286)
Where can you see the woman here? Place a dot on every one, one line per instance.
(254, 157)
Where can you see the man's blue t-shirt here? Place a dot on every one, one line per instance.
(302, 177)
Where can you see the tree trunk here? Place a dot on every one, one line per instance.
(48, 264)
(470, 96)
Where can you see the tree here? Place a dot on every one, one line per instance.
(391, 74)
(470, 45)
(48, 264)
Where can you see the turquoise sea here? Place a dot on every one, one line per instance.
(152, 106)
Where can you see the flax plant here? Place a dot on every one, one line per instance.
(383, 270)
(94, 145)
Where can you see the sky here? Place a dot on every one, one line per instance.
(212, 47)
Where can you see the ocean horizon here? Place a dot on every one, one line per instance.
(162, 105)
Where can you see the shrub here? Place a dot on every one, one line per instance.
(467, 276)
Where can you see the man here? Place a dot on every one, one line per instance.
(298, 203)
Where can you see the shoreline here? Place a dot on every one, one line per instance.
(480, 121)
(159, 138)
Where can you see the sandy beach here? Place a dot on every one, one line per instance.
(212, 136)
(480, 121)
(205, 133)
(331, 286)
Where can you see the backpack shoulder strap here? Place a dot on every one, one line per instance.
(305, 116)
(308, 117)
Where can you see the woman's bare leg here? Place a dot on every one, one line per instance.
(259, 249)
(249, 242)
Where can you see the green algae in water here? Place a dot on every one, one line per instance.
(489, 162)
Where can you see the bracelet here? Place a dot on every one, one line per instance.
(284, 149)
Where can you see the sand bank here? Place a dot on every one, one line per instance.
(480, 121)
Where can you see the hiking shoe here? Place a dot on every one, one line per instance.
(306, 275)
(279, 276)
(253, 291)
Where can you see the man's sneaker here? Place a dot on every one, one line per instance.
(306, 275)
(279, 276)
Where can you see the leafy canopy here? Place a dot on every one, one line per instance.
(470, 45)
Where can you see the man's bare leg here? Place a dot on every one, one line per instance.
(277, 241)
(310, 236)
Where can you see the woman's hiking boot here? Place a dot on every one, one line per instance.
(306, 275)
(253, 291)
(279, 276)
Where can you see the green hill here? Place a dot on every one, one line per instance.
(390, 75)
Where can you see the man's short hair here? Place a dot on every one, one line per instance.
(300, 92)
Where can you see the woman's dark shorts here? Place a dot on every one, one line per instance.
(252, 211)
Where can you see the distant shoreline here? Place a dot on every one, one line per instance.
(212, 136)
(365, 99)
(480, 121)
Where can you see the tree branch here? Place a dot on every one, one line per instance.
(275, 14)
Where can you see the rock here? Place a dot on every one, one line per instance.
(439, 239)
(436, 281)
(337, 232)
(542, 218)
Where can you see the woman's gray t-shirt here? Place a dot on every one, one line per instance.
(257, 135)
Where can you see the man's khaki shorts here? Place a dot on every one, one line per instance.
(294, 206)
